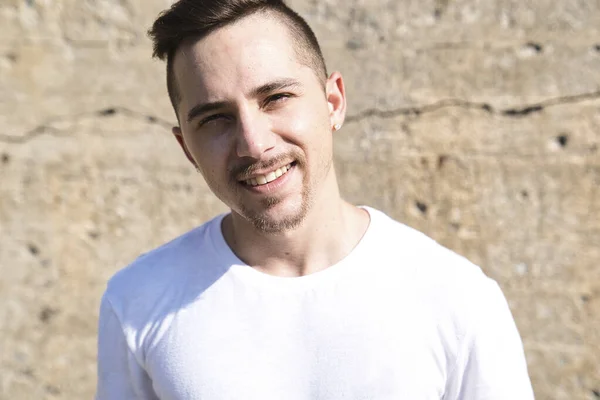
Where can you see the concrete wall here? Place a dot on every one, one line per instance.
(476, 121)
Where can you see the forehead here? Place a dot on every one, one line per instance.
(236, 58)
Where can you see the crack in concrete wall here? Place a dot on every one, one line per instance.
(48, 129)
(512, 112)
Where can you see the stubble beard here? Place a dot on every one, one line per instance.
(261, 220)
(258, 215)
(265, 224)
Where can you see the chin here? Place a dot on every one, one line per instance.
(276, 217)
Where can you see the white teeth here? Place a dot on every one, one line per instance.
(271, 176)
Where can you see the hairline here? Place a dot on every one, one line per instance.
(303, 50)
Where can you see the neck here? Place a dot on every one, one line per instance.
(329, 232)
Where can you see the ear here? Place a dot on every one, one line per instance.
(336, 99)
(179, 137)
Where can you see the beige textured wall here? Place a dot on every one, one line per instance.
(476, 121)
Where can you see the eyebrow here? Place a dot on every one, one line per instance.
(203, 108)
(278, 84)
(262, 90)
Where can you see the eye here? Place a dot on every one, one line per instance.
(276, 98)
(211, 118)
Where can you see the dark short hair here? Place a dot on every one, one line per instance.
(194, 19)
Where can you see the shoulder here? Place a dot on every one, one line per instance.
(450, 292)
(165, 277)
(169, 259)
(447, 283)
(146, 295)
(401, 243)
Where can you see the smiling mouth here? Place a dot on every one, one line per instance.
(268, 177)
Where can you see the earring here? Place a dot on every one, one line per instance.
(337, 127)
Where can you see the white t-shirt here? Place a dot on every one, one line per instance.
(400, 317)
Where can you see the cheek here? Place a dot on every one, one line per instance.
(302, 122)
(208, 152)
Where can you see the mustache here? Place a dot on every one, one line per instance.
(243, 170)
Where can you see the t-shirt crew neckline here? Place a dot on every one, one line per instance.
(352, 261)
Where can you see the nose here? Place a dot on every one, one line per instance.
(254, 136)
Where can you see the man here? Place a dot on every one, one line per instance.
(294, 294)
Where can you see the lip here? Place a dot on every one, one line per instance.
(273, 185)
(263, 172)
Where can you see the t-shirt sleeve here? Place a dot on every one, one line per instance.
(493, 365)
(120, 376)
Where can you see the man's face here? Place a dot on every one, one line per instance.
(257, 122)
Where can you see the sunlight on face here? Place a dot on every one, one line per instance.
(255, 121)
